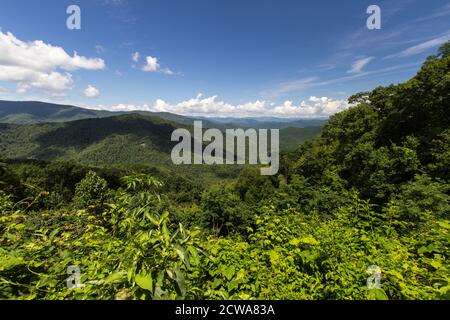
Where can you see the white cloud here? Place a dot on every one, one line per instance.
(22, 87)
(313, 107)
(152, 65)
(28, 78)
(135, 56)
(168, 72)
(91, 92)
(422, 47)
(36, 64)
(358, 65)
(121, 107)
(210, 106)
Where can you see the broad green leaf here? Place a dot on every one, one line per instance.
(144, 281)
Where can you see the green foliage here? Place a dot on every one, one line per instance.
(223, 211)
(144, 256)
(91, 192)
(253, 187)
(421, 198)
(440, 153)
(391, 135)
(370, 193)
(5, 201)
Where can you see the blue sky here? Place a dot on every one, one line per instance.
(216, 58)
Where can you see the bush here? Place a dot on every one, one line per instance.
(422, 197)
(91, 192)
(224, 211)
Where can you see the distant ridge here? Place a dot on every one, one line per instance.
(25, 112)
(120, 139)
(30, 112)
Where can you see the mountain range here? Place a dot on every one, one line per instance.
(50, 132)
(28, 112)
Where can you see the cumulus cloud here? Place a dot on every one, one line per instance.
(358, 65)
(167, 72)
(122, 107)
(314, 107)
(152, 65)
(36, 64)
(91, 92)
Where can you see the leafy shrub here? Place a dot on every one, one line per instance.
(421, 198)
(223, 211)
(91, 192)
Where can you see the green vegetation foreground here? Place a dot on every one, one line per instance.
(372, 189)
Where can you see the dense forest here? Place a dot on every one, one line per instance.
(372, 189)
(111, 140)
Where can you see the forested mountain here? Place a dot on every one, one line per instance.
(268, 122)
(22, 112)
(360, 212)
(102, 141)
(126, 139)
(31, 112)
(394, 134)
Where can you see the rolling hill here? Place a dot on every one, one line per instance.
(291, 138)
(26, 112)
(29, 112)
(269, 122)
(125, 139)
(122, 139)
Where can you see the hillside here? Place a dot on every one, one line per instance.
(125, 139)
(26, 112)
(270, 122)
(30, 112)
(291, 138)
